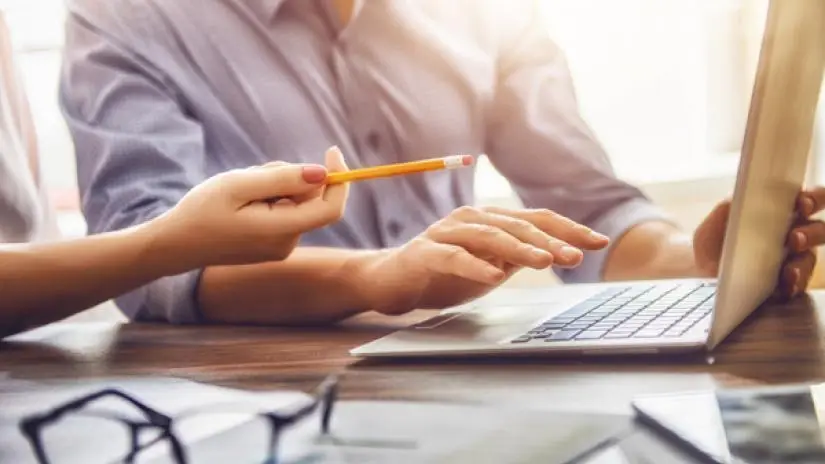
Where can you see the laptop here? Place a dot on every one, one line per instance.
(668, 315)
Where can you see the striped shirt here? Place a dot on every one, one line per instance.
(161, 94)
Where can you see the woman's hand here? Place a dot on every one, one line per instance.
(253, 215)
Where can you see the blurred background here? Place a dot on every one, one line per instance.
(665, 84)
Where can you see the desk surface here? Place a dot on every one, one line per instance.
(777, 344)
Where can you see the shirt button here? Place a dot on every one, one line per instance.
(394, 229)
(374, 141)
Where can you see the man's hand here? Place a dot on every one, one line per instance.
(804, 237)
(472, 251)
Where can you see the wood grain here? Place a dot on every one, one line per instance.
(779, 344)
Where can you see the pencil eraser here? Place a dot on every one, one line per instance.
(457, 161)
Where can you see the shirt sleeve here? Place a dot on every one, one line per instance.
(20, 210)
(538, 140)
(137, 152)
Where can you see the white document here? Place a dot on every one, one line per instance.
(86, 439)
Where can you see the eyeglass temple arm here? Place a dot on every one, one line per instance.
(330, 395)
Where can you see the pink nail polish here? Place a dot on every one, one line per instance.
(314, 174)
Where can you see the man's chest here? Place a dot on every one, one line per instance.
(394, 85)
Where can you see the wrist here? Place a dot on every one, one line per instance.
(165, 250)
(652, 250)
(677, 258)
(366, 272)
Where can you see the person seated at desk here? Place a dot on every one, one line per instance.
(159, 94)
(227, 219)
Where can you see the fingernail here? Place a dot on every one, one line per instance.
(495, 273)
(807, 206)
(539, 253)
(568, 252)
(597, 236)
(801, 239)
(314, 174)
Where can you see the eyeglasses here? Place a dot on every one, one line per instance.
(148, 427)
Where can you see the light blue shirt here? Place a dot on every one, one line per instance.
(161, 94)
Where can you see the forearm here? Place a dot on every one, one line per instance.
(43, 283)
(313, 285)
(651, 250)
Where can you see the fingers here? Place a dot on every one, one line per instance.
(454, 260)
(531, 231)
(807, 236)
(324, 209)
(558, 226)
(273, 164)
(487, 240)
(292, 181)
(335, 162)
(811, 201)
(525, 233)
(797, 273)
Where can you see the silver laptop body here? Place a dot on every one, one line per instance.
(668, 315)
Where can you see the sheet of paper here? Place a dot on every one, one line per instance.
(167, 395)
(407, 432)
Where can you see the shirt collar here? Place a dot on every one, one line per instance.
(272, 6)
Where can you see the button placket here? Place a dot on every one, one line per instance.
(394, 228)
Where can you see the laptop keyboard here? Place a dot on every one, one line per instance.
(635, 311)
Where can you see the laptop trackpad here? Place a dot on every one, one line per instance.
(492, 322)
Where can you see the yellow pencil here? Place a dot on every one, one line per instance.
(434, 164)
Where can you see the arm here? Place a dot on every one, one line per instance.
(46, 283)
(652, 250)
(20, 210)
(139, 152)
(540, 142)
(314, 285)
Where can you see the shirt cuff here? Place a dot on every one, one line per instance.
(615, 223)
(170, 299)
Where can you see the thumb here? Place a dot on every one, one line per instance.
(287, 180)
(709, 238)
(336, 194)
(323, 210)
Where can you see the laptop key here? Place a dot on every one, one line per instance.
(562, 335)
(659, 324)
(631, 326)
(604, 327)
(577, 326)
(591, 335)
(552, 325)
(614, 334)
(648, 333)
(521, 340)
(561, 320)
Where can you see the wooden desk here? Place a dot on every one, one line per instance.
(778, 344)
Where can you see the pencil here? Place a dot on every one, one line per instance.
(377, 172)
